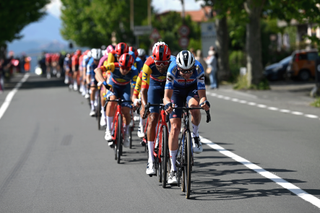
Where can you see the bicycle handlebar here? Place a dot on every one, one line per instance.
(117, 100)
(183, 108)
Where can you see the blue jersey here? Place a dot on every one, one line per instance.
(116, 76)
(176, 81)
(138, 63)
(90, 67)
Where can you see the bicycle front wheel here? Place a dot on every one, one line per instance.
(187, 167)
(98, 111)
(119, 138)
(165, 159)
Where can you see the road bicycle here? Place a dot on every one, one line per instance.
(161, 149)
(185, 152)
(118, 129)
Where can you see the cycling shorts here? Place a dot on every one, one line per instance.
(155, 96)
(182, 96)
(121, 92)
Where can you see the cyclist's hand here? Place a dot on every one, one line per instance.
(142, 110)
(168, 108)
(107, 86)
(205, 105)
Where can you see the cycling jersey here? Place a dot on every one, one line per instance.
(138, 63)
(103, 59)
(121, 83)
(151, 75)
(137, 88)
(116, 76)
(67, 64)
(184, 90)
(176, 81)
(90, 71)
(75, 62)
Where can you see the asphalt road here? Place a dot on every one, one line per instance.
(261, 154)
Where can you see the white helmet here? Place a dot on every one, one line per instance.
(158, 43)
(96, 54)
(185, 59)
(141, 52)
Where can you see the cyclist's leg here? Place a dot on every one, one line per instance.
(93, 88)
(178, 98)
(193, 101)
(124, 93)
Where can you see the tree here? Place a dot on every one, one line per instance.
(91, 22)
(15, 16)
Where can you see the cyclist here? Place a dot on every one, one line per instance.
(142, 55)
(185, 84)
(75, 69)
(83, 73)
(104, 58)
(152, 90)
(92, 64)
(122, 73)
(136, 102)
(67, 69)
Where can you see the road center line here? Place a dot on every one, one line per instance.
(10, 95)
(278, 180)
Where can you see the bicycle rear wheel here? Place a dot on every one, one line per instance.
(98, 111)
(165, 159)
(119, 138)
(187, 166)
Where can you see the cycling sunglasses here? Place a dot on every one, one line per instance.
(125, 68)
(185, 71)
(161, 63)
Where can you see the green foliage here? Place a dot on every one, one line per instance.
(241, 83)
(236, 61)
(168, 26)
(316, 103)
(15, 15)
(91, 22)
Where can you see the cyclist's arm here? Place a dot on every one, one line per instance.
(98, 71)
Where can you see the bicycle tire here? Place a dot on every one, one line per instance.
(180, 174)
(130, 135)
(188, 165)
(98, 111)
(166, 159)
(159, 158)
(119, 138)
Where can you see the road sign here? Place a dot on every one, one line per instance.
(184, 30)
(183, 42)
(141, 30)
(155, 35)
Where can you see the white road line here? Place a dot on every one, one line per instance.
(262, 105)
(278, 180)
(10, 95)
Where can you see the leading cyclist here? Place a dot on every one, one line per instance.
(154, 74)
(185, 84)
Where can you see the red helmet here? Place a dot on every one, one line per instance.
(161, 53)
(126, 60)
(134, 50)
(121, 48)
(78, 52)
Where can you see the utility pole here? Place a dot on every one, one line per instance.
(149, 12)
(131, 15)
(183, 11)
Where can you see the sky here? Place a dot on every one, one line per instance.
(159, 5)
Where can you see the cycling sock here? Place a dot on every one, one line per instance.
(103, 112)
(141, 124)
(195, 132)
(173, 154)
(126, 130)
(92, 105)
(109, 123)
(150, 147)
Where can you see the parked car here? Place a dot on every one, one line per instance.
(302, 65)
(277, 71)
